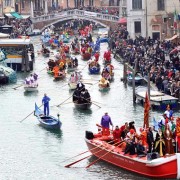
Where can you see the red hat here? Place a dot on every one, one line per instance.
(132, 131)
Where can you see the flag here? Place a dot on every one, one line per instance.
(146, 111)
(155, 124)
(175, 19)
(178, 132)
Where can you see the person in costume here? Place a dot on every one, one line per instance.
(150, 139)
(45, 102)
(105, 123)
(168, 136)
(117, 134)
(159, 143)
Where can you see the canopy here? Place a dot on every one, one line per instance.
(122, 21)
(174, 37)
(16, 15)
(25, 16)
(9, 15)
(3, 35)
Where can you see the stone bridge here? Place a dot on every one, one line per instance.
(106, 20)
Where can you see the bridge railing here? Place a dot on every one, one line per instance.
(76, 13)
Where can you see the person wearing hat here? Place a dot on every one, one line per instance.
(45, 102)
(105, 123)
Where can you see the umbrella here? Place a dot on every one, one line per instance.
(122, 21)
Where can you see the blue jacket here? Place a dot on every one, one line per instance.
(46, 100)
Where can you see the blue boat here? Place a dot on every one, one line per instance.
(94, 70)
(104, 40)
(48, 122)
(138, 79)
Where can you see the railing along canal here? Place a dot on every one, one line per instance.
(76, 14)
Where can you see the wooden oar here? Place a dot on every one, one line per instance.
(85, 157)
(64, 101)
(84, 67)
(103, 155)
(67, 166)
(83, 153)
(29, 114)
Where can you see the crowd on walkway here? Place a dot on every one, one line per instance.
(160, 58)
(19, 26)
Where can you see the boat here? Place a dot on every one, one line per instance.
(163, 167)
(75, 50)
(82, 106)
(104, 85)
(72, 85)
(138, 79)
(94, 69)
(30, 88)
(86, 56)
(3, 78)
(158, 99)
(48, 122)
(60, 76)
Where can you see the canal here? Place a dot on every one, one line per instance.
(29, 152)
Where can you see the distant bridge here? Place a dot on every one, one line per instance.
(41, 22)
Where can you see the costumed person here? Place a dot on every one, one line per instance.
(159, 143)
(51, 64)
(140, 148)
(178, 133)
(168, 112)
(130, 142)
(56, 71)
(163, 121)
(105, 123)
(31, 79)
(117, 135)
(45, 102)
(131, 126)
(168, 136)
(27, 81)
(96, 55)
(124, 130)
(143, 137)
(150, 140)
(103, 82)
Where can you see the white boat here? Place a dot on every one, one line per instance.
(157, 99)
(72, 85)
(30, 88)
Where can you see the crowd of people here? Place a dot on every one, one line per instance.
(143, 141)
(159, 58)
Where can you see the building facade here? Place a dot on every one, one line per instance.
(154, 18)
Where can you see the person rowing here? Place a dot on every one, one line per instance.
(105, 123)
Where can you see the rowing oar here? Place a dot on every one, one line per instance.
(64, 101)
(103, 155)
(29, 115)
(67, 166)
(83, 152)
(84, 67)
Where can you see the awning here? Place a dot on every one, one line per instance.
(25, 16)
(16, 15)
(122, 21)
(174, 37)
(9, 15)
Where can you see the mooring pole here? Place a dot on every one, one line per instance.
(134, 74)
(125, 74)
(149, 86)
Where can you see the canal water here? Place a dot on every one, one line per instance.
(27, 151)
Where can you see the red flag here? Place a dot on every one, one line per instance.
(146, 111)
(178, 132)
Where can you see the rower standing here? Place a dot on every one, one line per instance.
(45, 102)
(105, 123)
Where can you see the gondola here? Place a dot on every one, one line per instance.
(82, 106)
(94, 70)
(86, 56)
(30, 88)
(48, 122)
(104, 85)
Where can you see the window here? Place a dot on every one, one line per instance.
(137, 27)
(7, 3)
(91, 2)
(136, 4)
(111, 2)
(22, 4)
(160, 5)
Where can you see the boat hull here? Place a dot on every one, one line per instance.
(94, 70)
(149, 169)
(72, 86)
(30, 88)
(83, 106)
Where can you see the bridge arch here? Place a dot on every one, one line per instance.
(74, 17)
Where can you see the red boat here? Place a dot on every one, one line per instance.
(163, 167)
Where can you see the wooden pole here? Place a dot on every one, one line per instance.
(125, 74)
(134, 74)
(149, 86)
